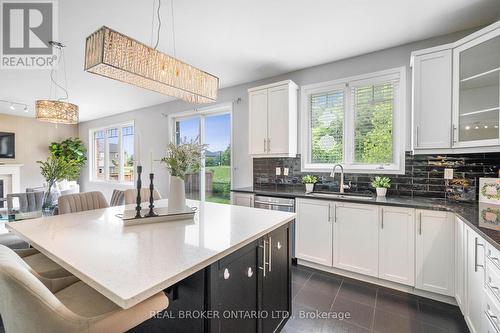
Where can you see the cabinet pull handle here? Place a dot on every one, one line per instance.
(454, 134)
(278, 246)
(264, 263)
(268, 145)
(335, 214)
(249, 272)
(265, 145)
(382, 218)
(226, 274)
(329, 213)
(420, 223)
(270, 264)
(476, 265)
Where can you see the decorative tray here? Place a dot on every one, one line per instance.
(128, 216)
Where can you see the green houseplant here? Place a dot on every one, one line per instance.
(55, 169)
(309, 181)
(180, 160)
(71, 149)
(381, 184)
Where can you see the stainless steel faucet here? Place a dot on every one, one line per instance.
(342, 186)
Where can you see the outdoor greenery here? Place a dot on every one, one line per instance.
(309, 179)
(381, 182)
(70, 150)
(373, 125)
(184, 158)
(220, 167)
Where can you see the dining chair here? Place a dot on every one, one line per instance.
(30, 304)
(78, 202)
(117, 198)
(29, 202)
(131, 195)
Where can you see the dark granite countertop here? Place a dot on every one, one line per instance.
(473, 214)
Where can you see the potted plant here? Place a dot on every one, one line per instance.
(381, 184)
(309, 181)
(181, 159)
(55, 169)
(71, 149)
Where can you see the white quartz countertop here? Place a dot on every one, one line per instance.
(129, 264)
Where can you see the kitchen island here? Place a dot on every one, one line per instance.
(228, 258)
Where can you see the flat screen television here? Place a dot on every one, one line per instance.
(7, 145)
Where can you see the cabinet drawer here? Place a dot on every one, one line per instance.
(494, 256)
(493, 282)
(492, 312)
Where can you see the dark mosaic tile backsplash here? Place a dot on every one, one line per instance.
(424, 175)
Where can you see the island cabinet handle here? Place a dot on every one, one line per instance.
(264, 263)
(226, 274)
(270, 253)
(249, 272)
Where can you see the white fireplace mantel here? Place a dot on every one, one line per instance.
(11, 175)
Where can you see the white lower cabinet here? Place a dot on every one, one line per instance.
(434, 252)
(313, 231)
(474, 310)
(355, 238)
(460, 263)
(396, 254)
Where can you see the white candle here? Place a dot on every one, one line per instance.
(151, 155)
(138, 158)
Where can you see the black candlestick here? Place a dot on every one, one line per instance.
(139, 186)
(151, 198)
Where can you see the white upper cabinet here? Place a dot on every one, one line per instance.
(397, 245)
(273, 120)
(355, 238)
(476, 94)
(434, 257)
(456, 95)
(432, 99)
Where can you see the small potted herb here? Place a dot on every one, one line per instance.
(381, 184)
(309, 181)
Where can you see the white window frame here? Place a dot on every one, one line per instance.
(91, 158)
(213, 110)
(345, 84)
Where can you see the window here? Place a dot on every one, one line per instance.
(211, 126)
(357, 122)
(112, 153)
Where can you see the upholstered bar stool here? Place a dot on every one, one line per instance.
(131, 195)
(28, 304)
(78, 202)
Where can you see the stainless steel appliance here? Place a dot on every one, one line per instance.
(281, 204)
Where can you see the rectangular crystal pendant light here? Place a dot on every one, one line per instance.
(116, 56)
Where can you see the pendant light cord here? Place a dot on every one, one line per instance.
(59, 47)
(159, 24)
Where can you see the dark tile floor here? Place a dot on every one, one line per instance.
(371, 308)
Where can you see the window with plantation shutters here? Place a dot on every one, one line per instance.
(358, 122)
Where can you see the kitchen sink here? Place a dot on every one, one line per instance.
(338, 195)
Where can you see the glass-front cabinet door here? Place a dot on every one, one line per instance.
(476, 95)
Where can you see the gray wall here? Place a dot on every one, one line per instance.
(152, 126)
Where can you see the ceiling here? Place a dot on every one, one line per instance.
(237, 40)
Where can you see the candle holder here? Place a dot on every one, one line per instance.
(151, 197)
(138, 200)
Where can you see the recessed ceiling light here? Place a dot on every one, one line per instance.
(12, 107)
(485, 126)
(496, 126)
(476, 127)
(467, 128)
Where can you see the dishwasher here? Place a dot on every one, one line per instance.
(281, 204)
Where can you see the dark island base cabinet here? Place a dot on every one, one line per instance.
(247, 291)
